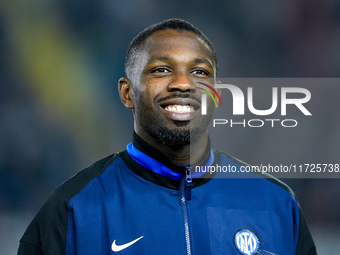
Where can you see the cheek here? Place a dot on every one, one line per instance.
(141, 100)
(210, 102)
(148, 92)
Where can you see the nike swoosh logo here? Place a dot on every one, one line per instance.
(116, 247)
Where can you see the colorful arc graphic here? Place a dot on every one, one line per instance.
(211, 88)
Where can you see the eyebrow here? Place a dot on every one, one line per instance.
(202, 61)
(164, 58)
(167, 58)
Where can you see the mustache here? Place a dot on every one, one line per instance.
(179, 95)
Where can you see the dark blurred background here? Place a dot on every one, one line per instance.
(59, 105)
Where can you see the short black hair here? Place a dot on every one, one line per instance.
(177, 24)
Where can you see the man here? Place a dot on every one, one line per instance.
(148, 199)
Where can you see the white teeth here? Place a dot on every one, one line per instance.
(180, 108)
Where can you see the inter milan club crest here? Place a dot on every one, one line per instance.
(246, 242)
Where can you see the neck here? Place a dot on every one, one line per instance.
(189, 154)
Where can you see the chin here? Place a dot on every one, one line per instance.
(176, 138)
(181, 123)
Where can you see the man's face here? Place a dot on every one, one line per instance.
(165, 90)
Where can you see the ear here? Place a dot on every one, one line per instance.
(125, 92)
(218, 92)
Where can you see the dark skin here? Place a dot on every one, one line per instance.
(168, 66)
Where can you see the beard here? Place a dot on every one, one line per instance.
(184, 133)
(176, 135)
(176, 138)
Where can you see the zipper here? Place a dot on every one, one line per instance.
(186, 185)
(188, 182)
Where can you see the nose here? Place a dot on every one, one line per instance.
(183, 83)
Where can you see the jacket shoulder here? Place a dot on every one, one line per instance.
(304, 241)
(47, 233)
(265, 176)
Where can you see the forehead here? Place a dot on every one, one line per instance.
(172, 42)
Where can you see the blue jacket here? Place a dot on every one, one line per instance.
(139, 202)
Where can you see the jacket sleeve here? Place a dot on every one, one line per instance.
(305, 244)
(47, 233)
(28, 249)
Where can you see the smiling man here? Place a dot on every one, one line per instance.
(161, 91)
(148, 199)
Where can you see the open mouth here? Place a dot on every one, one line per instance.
(179, 108)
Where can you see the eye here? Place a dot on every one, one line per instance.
(161, 70)
(200, 73)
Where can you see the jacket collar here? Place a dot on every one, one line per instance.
(149, 163)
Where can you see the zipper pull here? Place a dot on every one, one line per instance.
(188, 183)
